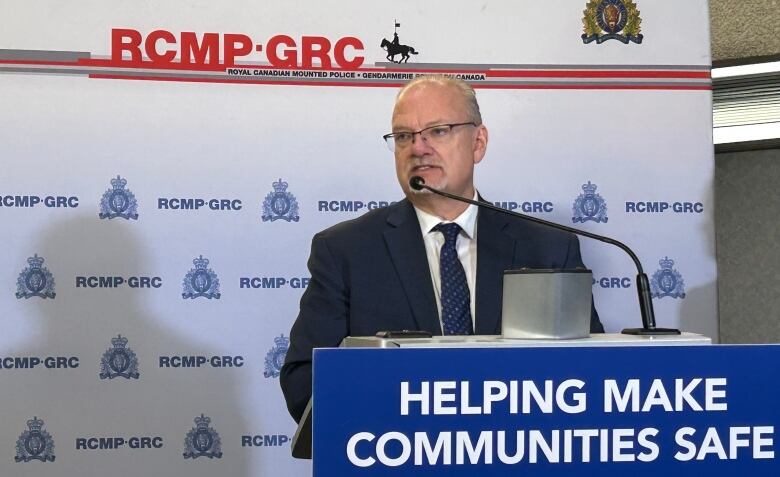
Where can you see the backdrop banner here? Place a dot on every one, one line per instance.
(165, 165)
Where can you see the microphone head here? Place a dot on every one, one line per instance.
(416, 183)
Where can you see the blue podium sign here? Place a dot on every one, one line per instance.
(606, 411)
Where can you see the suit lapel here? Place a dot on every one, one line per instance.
(407, 251)
(495, 250)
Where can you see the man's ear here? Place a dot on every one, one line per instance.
(480, 143)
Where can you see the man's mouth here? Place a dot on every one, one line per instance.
(422, 168)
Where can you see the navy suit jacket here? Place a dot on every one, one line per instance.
(371, 274)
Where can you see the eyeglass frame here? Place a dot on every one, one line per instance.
(392, 146)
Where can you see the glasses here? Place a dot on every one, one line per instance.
(433, 135)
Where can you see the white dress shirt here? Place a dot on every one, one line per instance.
(466, 246)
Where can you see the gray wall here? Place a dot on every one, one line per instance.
(747, 233)
(744, 28)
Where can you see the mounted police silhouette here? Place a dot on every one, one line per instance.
(395, 48)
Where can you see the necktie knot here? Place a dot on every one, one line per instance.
(450, 232)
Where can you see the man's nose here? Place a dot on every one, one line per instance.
(419, 145)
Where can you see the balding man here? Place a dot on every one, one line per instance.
(427, 262)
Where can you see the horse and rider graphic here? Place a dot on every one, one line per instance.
(395, 48)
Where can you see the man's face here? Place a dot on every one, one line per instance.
(449, 165)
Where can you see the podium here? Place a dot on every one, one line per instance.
(486, 406)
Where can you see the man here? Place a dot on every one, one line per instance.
(427, 262)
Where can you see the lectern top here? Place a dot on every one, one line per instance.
(605, 339)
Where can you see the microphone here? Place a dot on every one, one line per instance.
(642, 282)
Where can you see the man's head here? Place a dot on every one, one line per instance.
(444, 157)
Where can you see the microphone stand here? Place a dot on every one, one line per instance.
(649, 327)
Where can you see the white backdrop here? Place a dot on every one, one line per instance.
(633, 119)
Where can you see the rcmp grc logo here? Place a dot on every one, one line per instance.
(119, 361)
(280, 204)
(274, 359)
(667, 281)
(201, 281)
(35, 443)
(589, 206)
(35, 280)
(202, 440)
(118, 202)
(611, 20)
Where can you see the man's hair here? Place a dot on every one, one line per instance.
(464, 89)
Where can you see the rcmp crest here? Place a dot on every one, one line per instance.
(280, 204)
(202, 440)
(274, 359)
(667, 281)
(35, 443)
(589, 206)
(119, 361)
(118, 202)
(201, 281)
(611, 20)
(35, 280)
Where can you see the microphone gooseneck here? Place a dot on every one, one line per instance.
(642, 282)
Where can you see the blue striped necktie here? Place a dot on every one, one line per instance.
(455, 298)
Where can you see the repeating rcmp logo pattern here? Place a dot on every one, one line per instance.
(280, 204)
(201, 281)
(118, 202)
(589, 206)
(119, 361)
(202, 440)
(274, 359)
(611, 20)
(35, 443)
(35, 280)
(667, 281)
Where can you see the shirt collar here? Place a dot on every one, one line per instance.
(467, 219)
